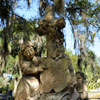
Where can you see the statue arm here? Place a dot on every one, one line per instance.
(27, 67)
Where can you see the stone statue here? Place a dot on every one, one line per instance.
(59, 74)
(81, 86)
(56, 82)
(30, 64)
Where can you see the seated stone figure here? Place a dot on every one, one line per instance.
(28, 86)
(81, 86)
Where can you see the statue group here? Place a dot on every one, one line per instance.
(51, 77)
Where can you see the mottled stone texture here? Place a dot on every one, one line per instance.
(50, 78)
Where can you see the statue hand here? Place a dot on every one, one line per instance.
(40, 69)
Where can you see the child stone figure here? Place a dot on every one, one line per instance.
(28, 87)
(81, 86)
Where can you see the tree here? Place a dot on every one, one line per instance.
(14, 29)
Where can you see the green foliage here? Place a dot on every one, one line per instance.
(11, 63)
(73, 59)
(93, 83)
(91, 55)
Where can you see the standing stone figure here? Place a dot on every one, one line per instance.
(28, 87)
(59, 77)
(81, 86)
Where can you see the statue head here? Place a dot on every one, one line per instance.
(80, 76)
(28, 49)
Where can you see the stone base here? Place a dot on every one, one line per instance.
(65, 95)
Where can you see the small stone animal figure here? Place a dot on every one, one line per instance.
(81, 86)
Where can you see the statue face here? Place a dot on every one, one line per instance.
(29, 52)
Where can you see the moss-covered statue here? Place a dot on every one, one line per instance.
(56, 82)
(30, 64)
(81, 86)
(59, 75)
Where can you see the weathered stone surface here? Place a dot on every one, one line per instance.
(50, 27)
(57, 76)
(59, 73)
(28, 87)
(65, 95)
(81, 85)
(53, 76)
